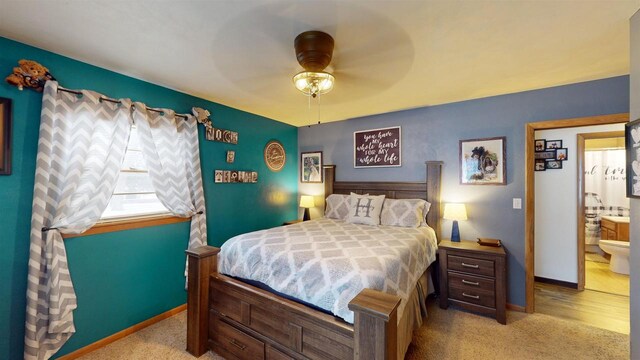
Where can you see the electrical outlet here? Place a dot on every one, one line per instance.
(517, 203)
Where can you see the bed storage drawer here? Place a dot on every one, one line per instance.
(470, 265)
(236, 307)
(470, 282)
(478, 297)
(235, 342)
(274, 354)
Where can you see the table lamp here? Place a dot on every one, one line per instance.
(306, 202)
(455, 212)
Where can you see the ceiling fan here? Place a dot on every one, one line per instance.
(314, 50)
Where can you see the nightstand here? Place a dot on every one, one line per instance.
(473, 277)
(291, 222)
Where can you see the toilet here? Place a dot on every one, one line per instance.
(619, 251)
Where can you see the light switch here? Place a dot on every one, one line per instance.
(517, 203)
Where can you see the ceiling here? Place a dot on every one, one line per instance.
(389, 55)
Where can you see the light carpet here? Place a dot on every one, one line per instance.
(447, 334)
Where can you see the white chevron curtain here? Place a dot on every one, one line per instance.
(171, 152)
(80, 150)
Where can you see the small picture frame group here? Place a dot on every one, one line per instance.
(549, 154)
(235, 176)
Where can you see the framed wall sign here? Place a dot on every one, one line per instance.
(274, 155)
(311, 167)
(632, 146)
(377, 148)
(483, 161)
(5, 136)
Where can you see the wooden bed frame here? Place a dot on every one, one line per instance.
(240, 321)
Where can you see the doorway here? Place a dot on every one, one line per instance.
(603, 211)
(530, 129)
(557, 250)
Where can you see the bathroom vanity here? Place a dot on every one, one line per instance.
(614, 228)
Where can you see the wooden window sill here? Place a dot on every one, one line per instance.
(128, 224)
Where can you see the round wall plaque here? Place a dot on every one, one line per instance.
(274, 155)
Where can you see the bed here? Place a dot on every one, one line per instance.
(242, 319)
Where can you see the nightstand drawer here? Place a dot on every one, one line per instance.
(472, 296)
(471, 283)
(237, 342)
(470, 265)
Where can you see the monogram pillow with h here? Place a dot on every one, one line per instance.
(365, 209)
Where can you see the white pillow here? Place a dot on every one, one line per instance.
(403, 212)
(337, 206)
(425, 211)
(365, 209)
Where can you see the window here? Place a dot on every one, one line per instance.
(134, 195)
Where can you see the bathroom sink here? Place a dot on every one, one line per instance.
(618, 219)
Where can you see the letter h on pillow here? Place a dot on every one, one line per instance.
(365, 209)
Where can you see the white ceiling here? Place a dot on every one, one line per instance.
(389, 55)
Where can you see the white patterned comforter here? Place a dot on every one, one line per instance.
(327, 262)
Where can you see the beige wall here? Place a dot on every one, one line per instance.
(608, 143)
(635, 203)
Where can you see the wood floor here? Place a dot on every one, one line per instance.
(598, 277)
(599, 309)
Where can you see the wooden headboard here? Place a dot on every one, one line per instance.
(429, 190)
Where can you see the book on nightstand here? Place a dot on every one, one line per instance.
(489, 242)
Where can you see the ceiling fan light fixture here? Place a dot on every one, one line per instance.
(314, 83)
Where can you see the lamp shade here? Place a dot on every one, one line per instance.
(455, 212)
(306, 201)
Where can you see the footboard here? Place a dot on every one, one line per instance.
(239, 321)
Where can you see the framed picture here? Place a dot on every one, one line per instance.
(553, 164)
(483, 161)
(553, 144)
(541, 165)
(540, 145)
(254, 176)
(632, 146)
(234, 176)
(311, 167)
(377, 148)
(544, 155)
(219, 176)
(226, 176)
(231, 156)
(562, 154)
(5, 136)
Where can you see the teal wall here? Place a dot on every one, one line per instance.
(126, 277)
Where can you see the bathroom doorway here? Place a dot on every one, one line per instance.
(603, 221)
(552, 204)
